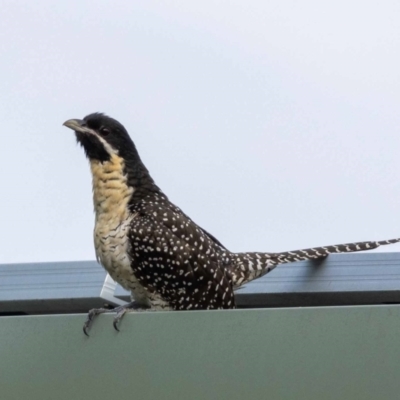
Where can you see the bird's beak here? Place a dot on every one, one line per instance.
(75, 124)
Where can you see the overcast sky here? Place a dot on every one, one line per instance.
(274, 125)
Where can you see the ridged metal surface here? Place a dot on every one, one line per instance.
(362, 278)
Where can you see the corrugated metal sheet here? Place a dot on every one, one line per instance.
(64, 287)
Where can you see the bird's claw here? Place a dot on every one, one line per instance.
(90, 317)
(121, 311)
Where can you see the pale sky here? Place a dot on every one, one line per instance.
(274, 125)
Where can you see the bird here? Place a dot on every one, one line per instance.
(151, 247)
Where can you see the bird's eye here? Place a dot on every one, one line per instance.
(104, 131)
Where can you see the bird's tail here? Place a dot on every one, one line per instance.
(248, 266)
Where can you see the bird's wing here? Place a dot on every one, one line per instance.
(166, 260)
(173, 218)
(173, 215)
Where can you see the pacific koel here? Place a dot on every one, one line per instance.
(151, 247)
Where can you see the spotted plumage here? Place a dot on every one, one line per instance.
(153, 249)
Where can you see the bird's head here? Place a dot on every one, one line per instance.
(112, 155)
(101, 137)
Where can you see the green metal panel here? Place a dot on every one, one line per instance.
(311, 353)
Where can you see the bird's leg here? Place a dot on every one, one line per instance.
(90, 317)
(120, 311)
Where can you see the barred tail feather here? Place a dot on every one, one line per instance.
(248, 266)
(320, 252)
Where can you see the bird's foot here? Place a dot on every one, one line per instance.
(120, 312)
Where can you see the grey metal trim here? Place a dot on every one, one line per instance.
(331, 353)
(64, 287)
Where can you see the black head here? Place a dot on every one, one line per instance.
(101, 137)
(105, 139)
